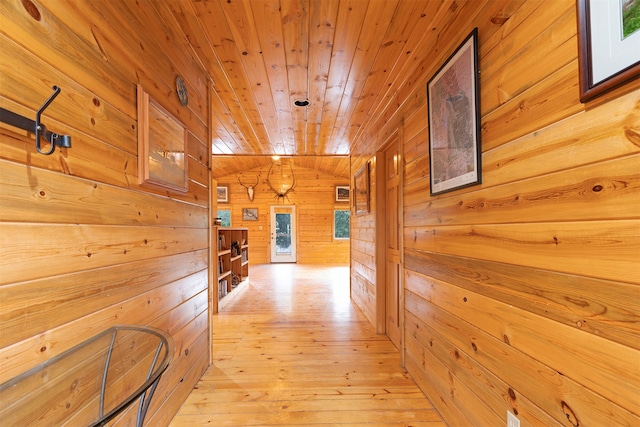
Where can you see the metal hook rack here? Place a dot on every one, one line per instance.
(40, 130)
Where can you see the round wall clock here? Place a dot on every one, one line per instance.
(181, 90)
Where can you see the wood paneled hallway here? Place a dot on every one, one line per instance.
(293, 350)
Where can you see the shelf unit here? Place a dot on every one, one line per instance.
(233, 263)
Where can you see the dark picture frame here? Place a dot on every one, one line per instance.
(361, 189)
(222, 193)
(453, 106)
(343, 193)
(249, 214)
(606, 57)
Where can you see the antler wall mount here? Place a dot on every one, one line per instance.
(250, 188)
(284, 189)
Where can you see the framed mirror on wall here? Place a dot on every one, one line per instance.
(162, 146)
(361, 189)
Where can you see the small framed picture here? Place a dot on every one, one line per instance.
(249, 214)
(608, 40)
(342, 193)
(361, 189)
(223, 193)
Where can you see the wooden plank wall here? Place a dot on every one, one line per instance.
(314, 198)
(82, 245)
(521, 293)
(363, 249)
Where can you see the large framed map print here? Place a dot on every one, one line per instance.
(454, 120)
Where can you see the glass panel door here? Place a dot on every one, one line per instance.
(283, 233)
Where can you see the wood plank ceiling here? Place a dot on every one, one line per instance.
(347, 58)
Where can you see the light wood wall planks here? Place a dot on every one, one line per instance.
(522, 292)
(314, 198)
(83, 246)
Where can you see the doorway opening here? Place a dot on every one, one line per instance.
(283, 233)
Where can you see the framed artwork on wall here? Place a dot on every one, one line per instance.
(222, 193)
(162, 146)
(453, 98)
(249, 214)
(361, 189)
(608, 45)
(342, 193)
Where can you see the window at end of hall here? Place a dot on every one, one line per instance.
(225, 216)
(341, 223)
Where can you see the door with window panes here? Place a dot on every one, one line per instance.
(283, 233)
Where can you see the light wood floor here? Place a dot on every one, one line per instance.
(293, 350)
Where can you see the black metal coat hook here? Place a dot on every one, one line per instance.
(40, 129)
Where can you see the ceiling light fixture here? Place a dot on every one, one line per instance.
(301, 102)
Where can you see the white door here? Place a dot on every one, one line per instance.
(283, 233)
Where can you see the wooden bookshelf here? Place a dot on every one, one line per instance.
(233, 263)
